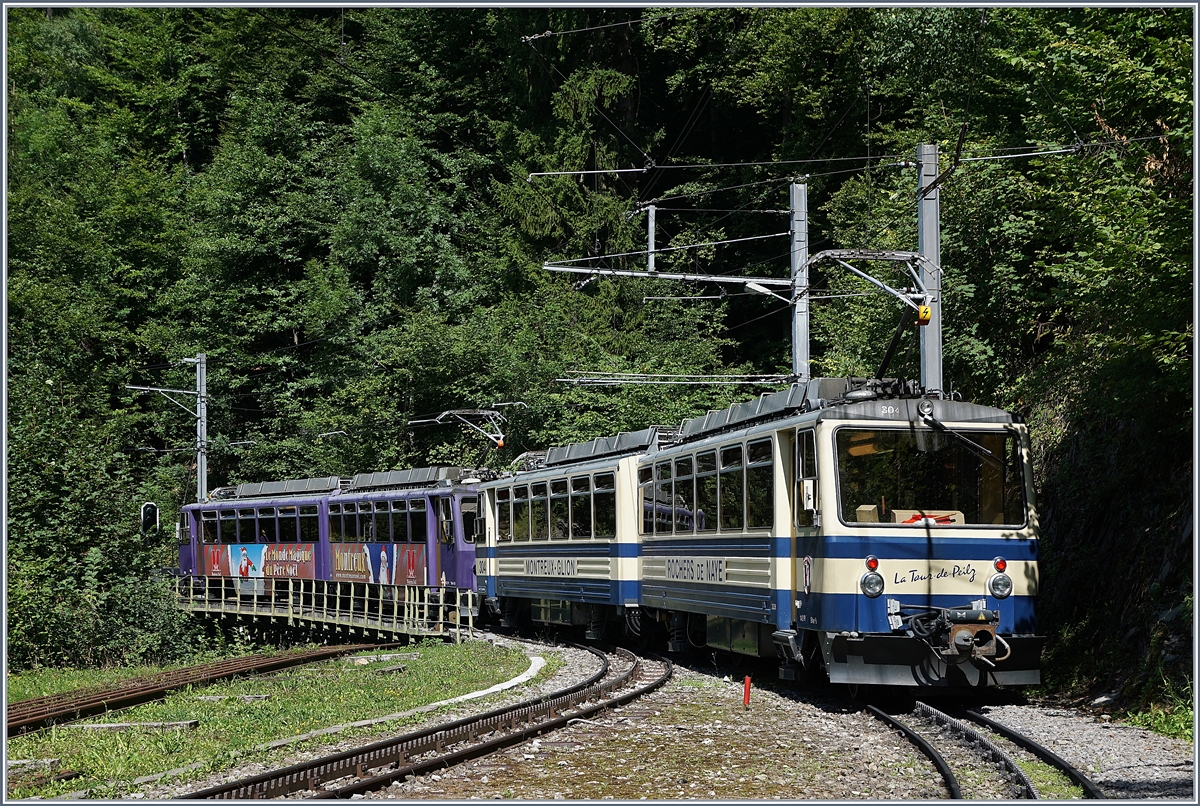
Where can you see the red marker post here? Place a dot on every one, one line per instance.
(746, 694)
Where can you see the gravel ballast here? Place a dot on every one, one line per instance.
(694, 738)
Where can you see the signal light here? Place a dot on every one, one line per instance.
(872, 562)
(1000, 563)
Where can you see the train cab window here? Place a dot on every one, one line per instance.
(664, 505)
(418, 525)
(247, 533)
(732, 490)
(521, 513)
(268, 531)
(335, 523)
(208, 526)
(183, 532)
(228, 526)
(504, 518)
(310, 526)
(560, 515)
(539, 511)
(469, 507)
(382, 528)
(805, 473)
(706, 492)
(581, 508)
(604, 496)
(400, 521)
(685, 495)
(646, 494)
(925, 478)
(760, 486)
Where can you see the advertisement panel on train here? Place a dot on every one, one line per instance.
(387, 563)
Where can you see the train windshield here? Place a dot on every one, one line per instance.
(929, 478)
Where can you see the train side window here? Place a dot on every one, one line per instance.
(183, 531)
(685, 495)
(760, 487)
(287, 525)
(646, 494)
(605, 498)
(732, 490)
(383, 521)
(400, 521)
(228, 526)
(560, 515)
(268, 531)
(418, 526)
(469, 507)
(504, 519)
(335, 523)
(521, 513)
(208, 526)
(539, 512)
(581, 508)
(664, 505)
(310, 524)
(804, 472)
(246, 530)
(706, 492)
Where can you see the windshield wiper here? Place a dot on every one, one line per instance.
(975, 447)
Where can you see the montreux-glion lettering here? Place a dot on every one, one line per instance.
(966, 572)
(550, 567)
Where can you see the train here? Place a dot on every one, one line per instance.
(853, 527)
(389, 530)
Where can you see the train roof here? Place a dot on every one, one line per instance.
(825, 398)
(413, 478)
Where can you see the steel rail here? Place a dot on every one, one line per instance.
(1045, 754)
(42, 712)
(399, 749)
(925, 747)
(969, 733)
(493, 745)
(310, 774)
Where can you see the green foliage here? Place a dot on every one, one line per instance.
(1175, 717)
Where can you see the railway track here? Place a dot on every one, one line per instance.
(988, 769)
(374, 766)
(42, 712)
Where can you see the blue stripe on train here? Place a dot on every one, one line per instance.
(918, 547)
(835, 612)
(853, 546)
(590, 591)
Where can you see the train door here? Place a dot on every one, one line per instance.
(449, 573)
(808, 550)
(186, 542)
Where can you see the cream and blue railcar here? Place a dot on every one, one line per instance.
(893, 540)
(561, 543)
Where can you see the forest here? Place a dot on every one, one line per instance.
(338, 208)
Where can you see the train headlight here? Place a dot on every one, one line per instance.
(871, 584)
(1000, 586)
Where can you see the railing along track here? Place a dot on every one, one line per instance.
(42, 712)
(1045, 754)
(426, 750)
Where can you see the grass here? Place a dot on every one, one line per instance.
(1176, 718)
(1049, 782)
(302, 699)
